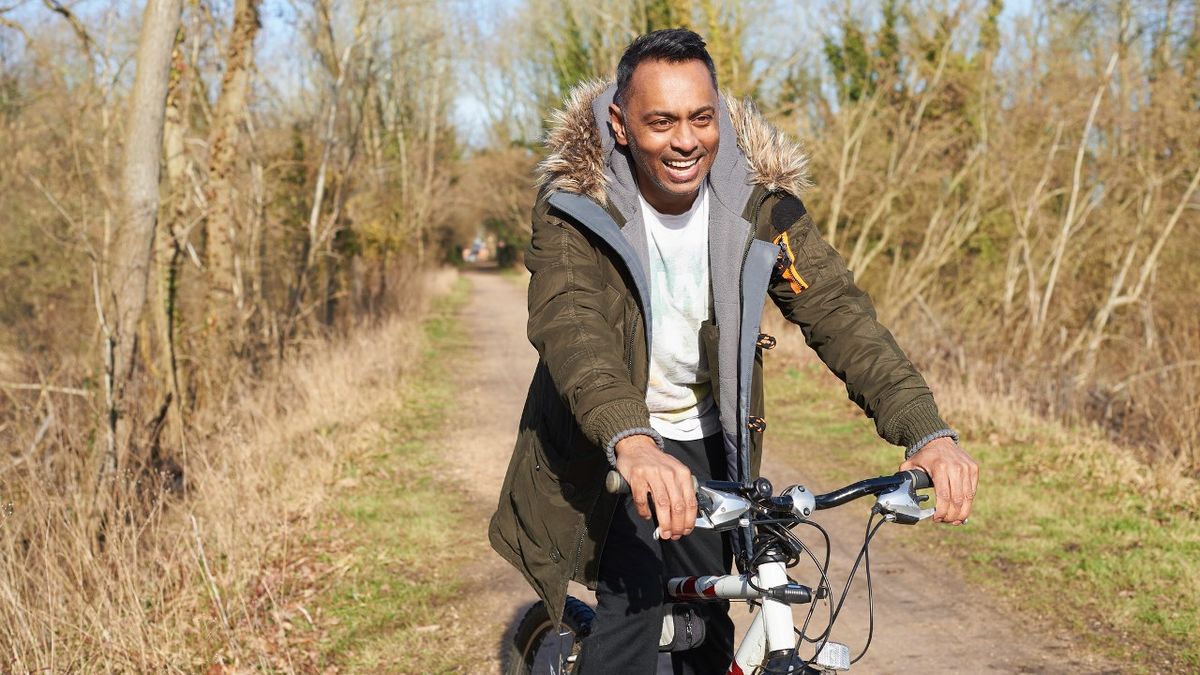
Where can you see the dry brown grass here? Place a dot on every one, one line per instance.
(193, 576)
(979, 403)
(1068, 526)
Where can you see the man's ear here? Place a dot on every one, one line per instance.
(617, 119)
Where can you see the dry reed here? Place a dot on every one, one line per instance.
(183, 583)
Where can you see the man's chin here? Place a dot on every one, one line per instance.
(687, 189)
(682, 189)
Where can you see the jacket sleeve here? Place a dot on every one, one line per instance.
(814, 289)
(583, 352)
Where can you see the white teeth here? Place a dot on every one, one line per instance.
(682, 165)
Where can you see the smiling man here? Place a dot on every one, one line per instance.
(667, 215)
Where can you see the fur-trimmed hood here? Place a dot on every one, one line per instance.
(576, 158)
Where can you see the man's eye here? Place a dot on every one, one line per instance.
(703, 120)
(661, 124)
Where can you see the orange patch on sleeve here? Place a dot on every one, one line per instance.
(788, 262)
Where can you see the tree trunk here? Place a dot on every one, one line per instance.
(133, 244)
(226, 297)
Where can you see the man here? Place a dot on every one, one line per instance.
(666, 216)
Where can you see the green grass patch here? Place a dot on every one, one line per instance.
(1101, 560)
(394, 608)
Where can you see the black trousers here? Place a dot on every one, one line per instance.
(633, 569)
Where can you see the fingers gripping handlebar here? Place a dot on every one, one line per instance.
(615, 484)
(894, 493)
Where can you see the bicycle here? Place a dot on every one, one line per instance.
(772, 645)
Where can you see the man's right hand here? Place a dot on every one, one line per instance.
(649, 470)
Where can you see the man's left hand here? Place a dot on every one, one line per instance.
(955, 477)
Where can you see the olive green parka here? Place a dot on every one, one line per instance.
(589, 309)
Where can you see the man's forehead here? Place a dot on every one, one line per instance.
(667, 85)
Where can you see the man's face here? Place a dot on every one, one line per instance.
(669, 123)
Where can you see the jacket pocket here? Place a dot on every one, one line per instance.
(536, 530)
(570, 476)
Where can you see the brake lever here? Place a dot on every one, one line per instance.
(720, 511)
(902, 505)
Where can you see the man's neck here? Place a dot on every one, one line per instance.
(677, 211)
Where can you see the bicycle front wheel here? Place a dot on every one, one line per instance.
(538, 649)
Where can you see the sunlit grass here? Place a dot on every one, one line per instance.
(1079, 548)
(395, 610)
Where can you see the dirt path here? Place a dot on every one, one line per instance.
(927, 620)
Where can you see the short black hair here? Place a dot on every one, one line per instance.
(673, 45)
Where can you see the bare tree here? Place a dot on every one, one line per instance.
(226, 296)
(128, 263)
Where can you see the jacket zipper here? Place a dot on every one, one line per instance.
(753, 227)
(758, 207)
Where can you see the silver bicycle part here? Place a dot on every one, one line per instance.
(721, 511)
(900, 505)
(803, 501)
(834, 657)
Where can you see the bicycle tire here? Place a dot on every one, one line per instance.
(533, 649)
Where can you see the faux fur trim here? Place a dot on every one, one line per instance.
(575, 161)
(776, 161)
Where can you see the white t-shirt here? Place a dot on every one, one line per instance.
(679, 394)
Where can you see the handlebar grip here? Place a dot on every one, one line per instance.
(921, 479)
(615, 484)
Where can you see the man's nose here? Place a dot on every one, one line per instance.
(684, 141)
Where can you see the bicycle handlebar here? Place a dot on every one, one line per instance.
(760, 489)
(872, 486)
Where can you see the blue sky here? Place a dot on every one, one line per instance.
(282, 53)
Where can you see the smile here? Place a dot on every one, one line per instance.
(682, 171)
(681, 164)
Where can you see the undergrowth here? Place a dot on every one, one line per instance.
(1063, 526)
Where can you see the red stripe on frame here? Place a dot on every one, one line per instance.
(689, 586)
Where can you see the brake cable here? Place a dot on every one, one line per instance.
(835, 613)
(870, 590)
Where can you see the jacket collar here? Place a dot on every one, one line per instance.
(583, 156)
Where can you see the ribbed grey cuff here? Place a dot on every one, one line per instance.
(941, 433)
(610, 450)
